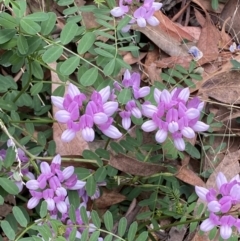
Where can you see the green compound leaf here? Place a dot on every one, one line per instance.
(91, 186)
(7, 230)
(109, 237)
(38, 16)
(7, 21)
(124, 96)
(43, 209)
(20, 217)
(7, 105)
(103, 53)
(95, 235)
(72, 236)
(132, 231)
(52, 54)
(35, 89)
(30, 26)
(22, 45)
(48, 25)
(89, 77)
(68, 33)
(100, 174)
(69, 65)
(109, 68)
(124, 21)
(84, 215)
(74, 198)
(143, 236)
(10, 157)
(95, 219)
(86, 43)
(122, 226)
(214, 4)
(108, 221)
(65, 2)
(6, 35)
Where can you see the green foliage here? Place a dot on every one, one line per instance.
(179, 75)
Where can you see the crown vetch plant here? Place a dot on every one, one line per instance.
(220, 202)
(61, 196)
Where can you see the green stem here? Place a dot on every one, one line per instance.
(34, 121)
(180, 223)
(26, 229)
(66, 159)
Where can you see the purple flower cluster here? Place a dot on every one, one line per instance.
(142, 15)
(65, 219)
(132, 107)
(52, 185)
(174, 114)
(219, 203)
(17, 175)
(98, 112)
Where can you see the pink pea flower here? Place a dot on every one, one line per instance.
(119, 11)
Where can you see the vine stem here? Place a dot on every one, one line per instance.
(179, 223)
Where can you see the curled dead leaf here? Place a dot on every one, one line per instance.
(216, 87)
(189, 176)
(134, 167)
(108, 199)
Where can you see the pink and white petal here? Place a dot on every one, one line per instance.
(105, 93)
(126, 123)
(141, 22)
(68, 135)
(32, 203)
(201, 192)
(112, 132)
(200, 126)
(57, 101)
(110, 107)
(62, 116)
(153, 21)
(149, 126)
(73, 90)
(88, 134)
(179, 144)
(100, 118)
(161, 136)
(220, 180)
(157, 95)
(62, 207)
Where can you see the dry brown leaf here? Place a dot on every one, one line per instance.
(129, 59)
(216, 87)
(199, 237)
(170, 62)
(163, 40)
(134, 167)
(78, 144)
(88, 18)
(153, 73)
(201, 20)
(208, 7)
(177, 234)
(208, 42)
(225, 40)
(232, 9)
(108, 199)
(193, 31)
(150, 67)
(188, 176)
(172, 29)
